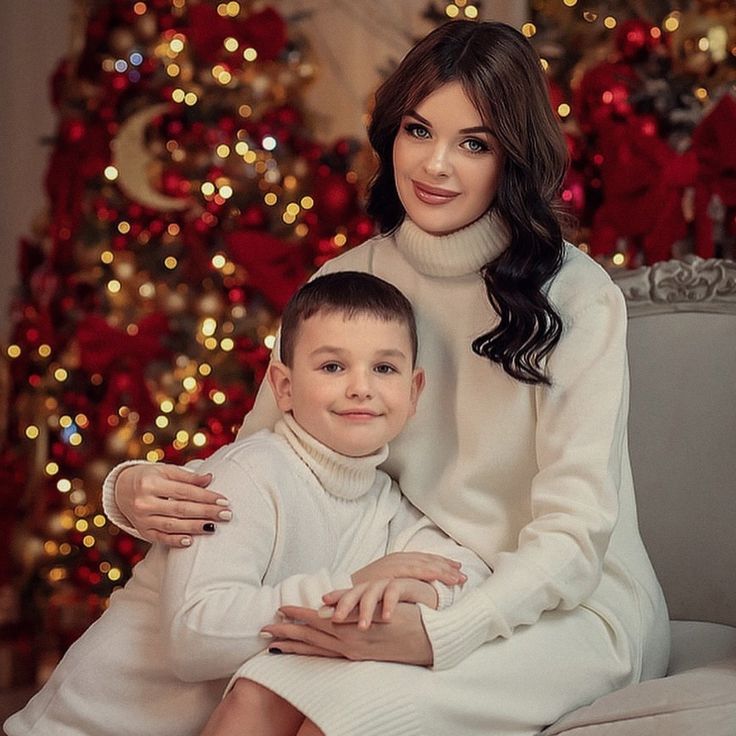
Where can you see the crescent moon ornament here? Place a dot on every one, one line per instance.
(135, 163)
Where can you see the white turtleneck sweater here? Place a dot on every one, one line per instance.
(535, 479)
(304, 518)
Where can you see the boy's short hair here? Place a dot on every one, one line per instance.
(350, 293)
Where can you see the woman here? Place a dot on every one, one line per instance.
(519, 447)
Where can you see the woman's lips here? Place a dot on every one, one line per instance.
(433, 195)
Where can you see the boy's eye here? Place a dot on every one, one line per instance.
(416, 130)
(385, 368)
(331, 367)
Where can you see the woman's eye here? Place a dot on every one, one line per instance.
(331, 367)
(385, 368)
(416, 130)
(475, 146)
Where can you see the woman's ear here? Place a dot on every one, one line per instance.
(279, 377)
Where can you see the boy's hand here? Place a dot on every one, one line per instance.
(363, 599)
(417, 565)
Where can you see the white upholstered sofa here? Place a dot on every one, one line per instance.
(682, 437)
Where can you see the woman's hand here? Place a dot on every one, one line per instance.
(418, 565)
(168, 504)
(403, 639)
(363, 599)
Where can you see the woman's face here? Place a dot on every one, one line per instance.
(447, 162)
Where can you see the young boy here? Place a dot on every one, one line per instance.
(311, 512)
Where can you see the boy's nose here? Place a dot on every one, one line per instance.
(359, 386)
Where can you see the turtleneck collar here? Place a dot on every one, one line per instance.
(459, 253)
(340, 475)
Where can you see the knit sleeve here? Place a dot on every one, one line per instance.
(213, 600)
(580, 439)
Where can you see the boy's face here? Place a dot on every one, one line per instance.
(351, 384)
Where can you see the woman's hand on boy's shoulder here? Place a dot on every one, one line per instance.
(168, 504)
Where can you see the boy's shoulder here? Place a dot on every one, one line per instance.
(263, 449)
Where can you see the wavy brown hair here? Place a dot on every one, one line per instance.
(501, 75)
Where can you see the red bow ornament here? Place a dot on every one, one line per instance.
(714, 145)
(644, 181)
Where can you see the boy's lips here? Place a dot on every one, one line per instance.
(432, 195)
(357, 414)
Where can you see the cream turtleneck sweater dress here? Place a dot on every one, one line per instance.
(304, 518)
(535, 479)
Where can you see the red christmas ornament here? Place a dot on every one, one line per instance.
(336, 200)
(634, 39)
(604, 93)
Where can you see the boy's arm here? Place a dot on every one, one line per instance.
(213, 600)
(412, 531)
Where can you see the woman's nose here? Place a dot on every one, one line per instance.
(438, 162)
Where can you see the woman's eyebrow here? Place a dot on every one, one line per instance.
(415, 114)
(479, 129)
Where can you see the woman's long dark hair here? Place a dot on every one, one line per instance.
(502, 75)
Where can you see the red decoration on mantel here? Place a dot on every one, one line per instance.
(714, 144)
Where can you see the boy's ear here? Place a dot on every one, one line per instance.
(417, 386)
(279, 377)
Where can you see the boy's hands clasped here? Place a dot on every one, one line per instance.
(399, 577)
(419, 565)
(365, 597)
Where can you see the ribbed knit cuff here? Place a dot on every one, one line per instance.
(110, 505)
(460, 629)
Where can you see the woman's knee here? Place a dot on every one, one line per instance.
(309, 729)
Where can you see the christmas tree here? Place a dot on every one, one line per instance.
(646, 95)
(187, 200)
